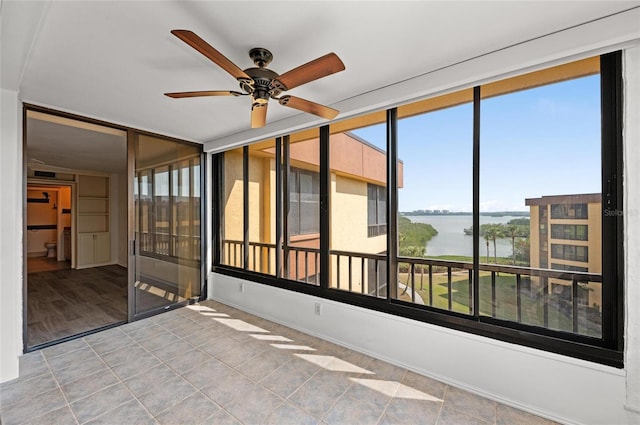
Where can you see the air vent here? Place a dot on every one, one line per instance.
(46, 174)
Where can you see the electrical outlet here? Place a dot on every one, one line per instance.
(317, 309)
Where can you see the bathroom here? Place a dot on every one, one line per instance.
(48, 227)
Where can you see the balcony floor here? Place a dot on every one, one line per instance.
(213, 364)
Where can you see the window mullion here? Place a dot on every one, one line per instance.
(245, 206)
(476, 202)
(286, 203)
(392, 204)
(325, 208)
(279, 210)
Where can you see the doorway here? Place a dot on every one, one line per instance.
(113, 225)
(76, 227)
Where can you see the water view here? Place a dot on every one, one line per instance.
(451, 239)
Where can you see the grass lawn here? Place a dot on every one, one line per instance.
(506, 300)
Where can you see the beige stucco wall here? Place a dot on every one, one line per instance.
(233, 196)
(349, 231)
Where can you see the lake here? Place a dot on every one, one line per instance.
(451, 239)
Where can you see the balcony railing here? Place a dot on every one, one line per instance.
(169, 246)
(518, 294)
(299, 263)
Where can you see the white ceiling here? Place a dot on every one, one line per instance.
(74, 145)
(114, 60)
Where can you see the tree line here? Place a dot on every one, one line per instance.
(517, 230)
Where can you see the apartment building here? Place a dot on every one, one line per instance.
(566, 234)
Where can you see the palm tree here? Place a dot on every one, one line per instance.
(492, 232)
(486, 238)
(512, 231)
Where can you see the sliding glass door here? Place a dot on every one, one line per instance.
(166, 217)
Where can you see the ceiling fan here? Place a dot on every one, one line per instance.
(262, 83)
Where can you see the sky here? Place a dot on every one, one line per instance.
(537, 142)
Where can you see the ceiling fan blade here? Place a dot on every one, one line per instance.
(258, 115)
(178, 95)
(206, 49)
(317, 68)
(308, 106)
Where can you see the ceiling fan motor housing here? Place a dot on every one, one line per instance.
(262, 88)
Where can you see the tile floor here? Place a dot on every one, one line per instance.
(212, 364)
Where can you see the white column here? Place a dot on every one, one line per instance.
(631, 136)
(11, 248)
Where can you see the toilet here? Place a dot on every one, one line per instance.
(51, 249)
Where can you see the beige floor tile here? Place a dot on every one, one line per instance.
(150, 379)
(221, 418)
(289, 414)
(23, 389)
(449, 416)
(230, 386)
(101, 402)
(188, 366)
(167, 395)
(471, 404)
(88, 385)
(32, 408)
(285, 380)
(412, 411)
(62, 416)
(72, 358)
(129, 413)
(79, 370)
(255, 406)
(350, 410)
(508, 415)
(193, 410)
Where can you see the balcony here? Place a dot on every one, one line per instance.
(559, 300)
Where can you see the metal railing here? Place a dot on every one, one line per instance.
(531, 284)
(171, 246)
(526, 288)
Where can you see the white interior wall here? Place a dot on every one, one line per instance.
(563, 389)
(11, 249)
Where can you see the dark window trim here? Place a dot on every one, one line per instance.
(298, 214)
(378, 228)
(608, 350)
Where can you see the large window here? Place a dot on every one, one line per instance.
(460, 210)
(527, 184)
(358, 212)
(435, 203)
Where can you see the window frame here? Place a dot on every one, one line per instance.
(297, 217)
(377, 227)
(607, 350)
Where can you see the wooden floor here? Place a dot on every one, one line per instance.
(45, 264)
(67, 302)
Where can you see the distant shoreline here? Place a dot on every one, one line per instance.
(487, 214)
